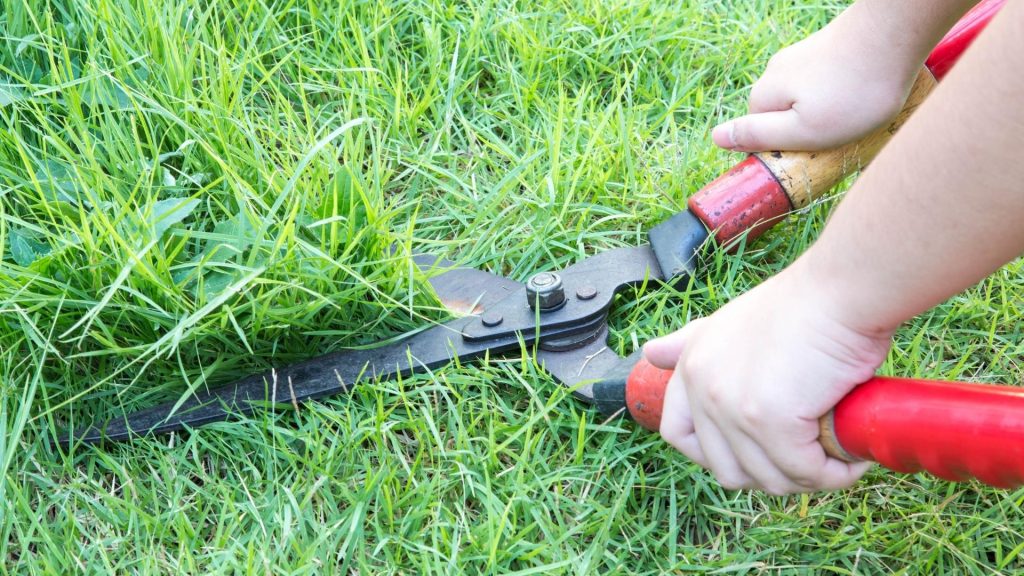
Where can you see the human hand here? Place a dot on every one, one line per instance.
(836, 86)
(752, 380)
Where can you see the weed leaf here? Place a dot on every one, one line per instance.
(25, 249)
(167, 213)
(57, 181)
(10, 93)
(104, 92)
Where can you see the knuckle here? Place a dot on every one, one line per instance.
(753, 413)
(716, 396)
(692, 366)
(804, 478)
(758, 89)
(673, 428)
(761, 95)
(692, 327)
(746, 134)
(776, 60)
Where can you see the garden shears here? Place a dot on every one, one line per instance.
(954, 430)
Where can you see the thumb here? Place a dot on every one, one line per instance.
(780, 130)
(664, 352)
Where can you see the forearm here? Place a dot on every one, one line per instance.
(904, 31)
(942, 206)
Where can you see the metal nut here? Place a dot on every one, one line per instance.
(545, 291)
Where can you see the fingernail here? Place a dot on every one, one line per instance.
(724, 135)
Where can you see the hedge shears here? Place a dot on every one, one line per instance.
(954, 430)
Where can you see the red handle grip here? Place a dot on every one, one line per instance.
(953, 430)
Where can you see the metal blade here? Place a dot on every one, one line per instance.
(462, 290)
(578, 369)
(677, 243)
(315, 378)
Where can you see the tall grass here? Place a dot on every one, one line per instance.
(193, 191)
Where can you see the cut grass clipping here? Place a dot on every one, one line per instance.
(194, 191)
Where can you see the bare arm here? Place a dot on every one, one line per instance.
(943, 205)
(939, 208)
(907, 30)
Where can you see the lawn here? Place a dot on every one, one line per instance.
(195, 191)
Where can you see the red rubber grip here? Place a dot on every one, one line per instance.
(953, 430)
(960, 36)
(645, 393)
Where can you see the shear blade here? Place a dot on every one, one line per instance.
(319, 377)
(461, 290)
(464, 290)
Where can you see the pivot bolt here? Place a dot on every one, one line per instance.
(491, 319)
(545, 291)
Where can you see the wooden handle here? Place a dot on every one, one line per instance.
(954, 430)
(760, 191)
(806, 176)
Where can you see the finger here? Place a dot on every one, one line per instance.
(677, 422)
(781, 130)
(765, 96)
(810, 467)
(721, 459)
(757, 464)
(838, 475)
(768, 96)
(772, 478)
(664, 352)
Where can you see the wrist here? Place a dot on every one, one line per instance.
(883, 41)
(898, 36)
(837, 292)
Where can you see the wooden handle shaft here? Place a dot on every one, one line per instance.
(806, 176)
(760, 191)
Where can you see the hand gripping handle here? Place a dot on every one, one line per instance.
(757, 193)
(953, 430)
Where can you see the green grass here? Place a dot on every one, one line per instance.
(193, 191)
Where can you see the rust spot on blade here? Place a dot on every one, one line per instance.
(462, 307)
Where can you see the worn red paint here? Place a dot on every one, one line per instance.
(645, 394)
(748, 198)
